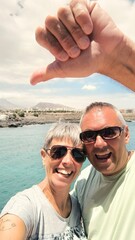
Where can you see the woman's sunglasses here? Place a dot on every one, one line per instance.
(58, 151)
(108, 133)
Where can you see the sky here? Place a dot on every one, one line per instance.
(20, 55)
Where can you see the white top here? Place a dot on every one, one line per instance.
(41, 220)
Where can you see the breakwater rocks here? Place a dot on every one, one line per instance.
(11, 120)
(19, 119)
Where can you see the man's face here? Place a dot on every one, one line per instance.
(107, 156)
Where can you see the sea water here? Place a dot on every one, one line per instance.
(20, 160)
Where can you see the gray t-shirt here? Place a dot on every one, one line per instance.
(41, 220)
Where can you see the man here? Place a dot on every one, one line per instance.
(84, 40)
(105, 189)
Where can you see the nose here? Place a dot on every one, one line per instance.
(99, 142)
(68, 157)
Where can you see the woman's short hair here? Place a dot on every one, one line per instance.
(63, 130)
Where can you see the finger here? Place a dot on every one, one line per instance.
(60, 32)
(80, 10)
(48, 41)
(44, 74)
(66, 16)
(53, 70)
(77, 67)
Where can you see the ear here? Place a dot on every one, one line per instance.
(127, 134)
(43, 155)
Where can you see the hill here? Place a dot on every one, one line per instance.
(51, 106)
(6, 105)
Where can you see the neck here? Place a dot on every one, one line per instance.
(60, 200)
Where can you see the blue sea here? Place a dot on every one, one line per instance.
(20, 160)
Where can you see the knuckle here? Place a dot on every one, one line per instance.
(80, 14)
(75, 30)
(63, 12)
(50, 21)
(65, 40)
(73, 3)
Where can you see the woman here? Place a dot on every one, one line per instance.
(46, 210)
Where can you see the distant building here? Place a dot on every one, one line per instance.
(3, 117)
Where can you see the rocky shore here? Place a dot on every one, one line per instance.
(40, 118)
(29, 118)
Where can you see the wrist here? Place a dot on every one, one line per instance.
(120, 64)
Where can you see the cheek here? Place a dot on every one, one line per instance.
(48, 166)
(78, 168)
(88, 149)
(117, 148)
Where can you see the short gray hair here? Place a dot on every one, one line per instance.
(63, 130)
(101, 105)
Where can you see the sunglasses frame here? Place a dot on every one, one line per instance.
(101, 134)
(66, 148)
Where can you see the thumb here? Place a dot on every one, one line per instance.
(73, 67)
(53, 70)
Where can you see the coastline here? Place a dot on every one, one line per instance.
(30, 118)
(42, 118)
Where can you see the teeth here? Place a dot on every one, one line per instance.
(63, 171)
(105, 156)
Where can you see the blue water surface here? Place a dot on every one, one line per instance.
(20, 160)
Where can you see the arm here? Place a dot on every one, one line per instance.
(12, 228)
(84, 40)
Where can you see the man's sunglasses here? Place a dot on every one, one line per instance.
(58, 151)
(108, 133)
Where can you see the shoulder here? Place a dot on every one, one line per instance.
(22, 205)
(24, 198)
(84, 175)
(83, 181)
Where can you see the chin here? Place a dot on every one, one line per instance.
(59, 185)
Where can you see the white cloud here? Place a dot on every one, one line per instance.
(123, 13)
(20, 55)
(80, 102)
(89, 87)
(34, 96)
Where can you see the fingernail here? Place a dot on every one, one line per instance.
(63, 56)
(87, 28)
(84, 42)
(74, 52)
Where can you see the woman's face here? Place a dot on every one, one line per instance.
(61, 172)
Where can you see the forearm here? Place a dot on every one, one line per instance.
(121, 64)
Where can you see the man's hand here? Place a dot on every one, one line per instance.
(84, 40)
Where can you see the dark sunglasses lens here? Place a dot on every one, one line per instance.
(58, 152)
(78, 155)
(111, 132)
(88, 136)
